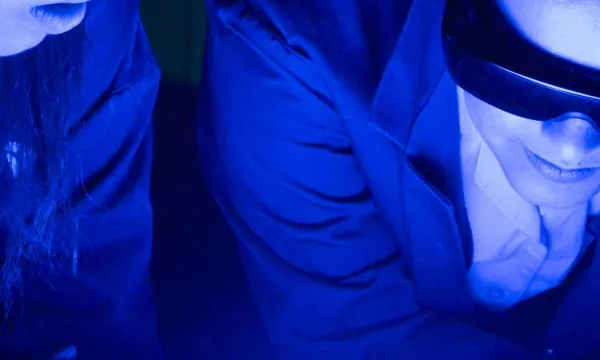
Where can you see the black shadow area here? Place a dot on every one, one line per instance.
(204, 307)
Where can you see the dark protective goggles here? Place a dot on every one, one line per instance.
(487, 57)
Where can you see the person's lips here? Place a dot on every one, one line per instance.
(558, 174)
(58, 18)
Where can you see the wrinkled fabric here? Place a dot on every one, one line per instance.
(329, 136)
(106, 311)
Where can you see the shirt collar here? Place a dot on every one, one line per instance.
(488, 175)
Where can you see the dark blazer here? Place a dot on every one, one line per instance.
(106, 311)
(329, 136)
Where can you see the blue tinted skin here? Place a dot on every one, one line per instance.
(26, 23)
(567, 151)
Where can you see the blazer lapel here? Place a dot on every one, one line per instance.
(414, 94)
(434, 150)
(438, 223)
(574, 330)
(412, 73)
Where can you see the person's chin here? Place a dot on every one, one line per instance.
(21, 45)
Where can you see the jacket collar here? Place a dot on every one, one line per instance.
(412, 73)
(415, 108)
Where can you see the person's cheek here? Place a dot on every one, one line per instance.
(498, 131)
(520, 129)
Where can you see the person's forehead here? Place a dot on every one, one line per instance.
(567, 28)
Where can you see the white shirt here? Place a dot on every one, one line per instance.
(520, 250)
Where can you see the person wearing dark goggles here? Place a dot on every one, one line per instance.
(535, 71)
(411, 179)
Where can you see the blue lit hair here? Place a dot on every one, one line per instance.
(37, 89)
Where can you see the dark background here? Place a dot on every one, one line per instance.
(176, 29)
(204, 308)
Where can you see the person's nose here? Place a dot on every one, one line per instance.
(581, 135)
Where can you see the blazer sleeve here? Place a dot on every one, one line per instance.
(105, 309)
(319, 256)
(113, 309)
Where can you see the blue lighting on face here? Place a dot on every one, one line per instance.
(567, 29)
(25, 24)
